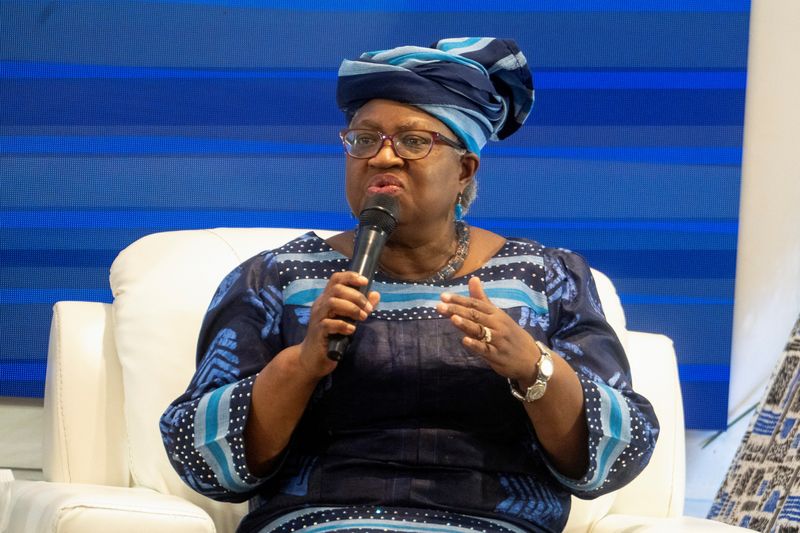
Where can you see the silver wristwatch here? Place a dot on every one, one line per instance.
(545, 369)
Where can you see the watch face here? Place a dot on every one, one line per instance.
(546, 367)
(535, 391)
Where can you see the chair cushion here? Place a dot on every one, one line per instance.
(646, 524)
(612, 306)
(162, 285)
(78, 508)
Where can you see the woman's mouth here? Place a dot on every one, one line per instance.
(384, 185)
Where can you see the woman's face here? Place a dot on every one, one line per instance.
(426, 189)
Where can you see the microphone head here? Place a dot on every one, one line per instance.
(380, 211)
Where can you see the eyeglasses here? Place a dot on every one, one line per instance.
(408, 144)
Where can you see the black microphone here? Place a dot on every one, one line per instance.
(375, 223)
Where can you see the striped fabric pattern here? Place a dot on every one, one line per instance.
(505, 295)
(384, 519)
(480, 87)
(611, 434)
(615, 419)
(212, 423)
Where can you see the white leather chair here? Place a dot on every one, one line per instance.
(113, 368)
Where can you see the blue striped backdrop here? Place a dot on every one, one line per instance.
(122, 118)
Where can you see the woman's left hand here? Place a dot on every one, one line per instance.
(491, 333)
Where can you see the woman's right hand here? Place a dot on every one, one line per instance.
(283, 387)
(341, 299)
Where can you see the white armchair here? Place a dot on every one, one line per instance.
(113, 368)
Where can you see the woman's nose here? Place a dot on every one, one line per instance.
(385, 156)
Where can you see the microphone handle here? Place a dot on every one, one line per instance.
(369, 245)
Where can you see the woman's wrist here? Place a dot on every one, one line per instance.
(298, 369)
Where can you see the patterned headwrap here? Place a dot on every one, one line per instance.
(480, 87)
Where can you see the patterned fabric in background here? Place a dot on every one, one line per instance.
(762, 488)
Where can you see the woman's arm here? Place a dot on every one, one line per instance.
(223, 434)
(283, 388)
(558, 416)
(596, 433)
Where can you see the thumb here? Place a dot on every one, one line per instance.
(476, 289)
(374, 297)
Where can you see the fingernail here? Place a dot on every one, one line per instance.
(441, 308)
(368, 307)
(446, 296)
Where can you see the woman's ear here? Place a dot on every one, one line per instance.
(469, 167)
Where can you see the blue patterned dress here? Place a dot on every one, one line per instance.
(409, 419)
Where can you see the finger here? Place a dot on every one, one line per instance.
(348, 277)
(476, 289)
(472, 329)
(467, 302)
(476, 346)
(351, 294)
(338, 307)
(374, 298)
(468, 313)
(331, 326)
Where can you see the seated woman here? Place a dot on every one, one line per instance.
(482, 386)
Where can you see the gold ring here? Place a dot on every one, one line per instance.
(486, 335)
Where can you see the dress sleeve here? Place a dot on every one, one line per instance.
(203, 428)
(622, 424)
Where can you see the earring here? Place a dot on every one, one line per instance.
(459, 208)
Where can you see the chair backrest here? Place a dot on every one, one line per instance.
(162, 285)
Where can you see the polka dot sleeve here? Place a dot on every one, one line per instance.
(621, 440)
(203, 429)
(207, 445)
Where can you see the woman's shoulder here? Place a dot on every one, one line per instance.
(306, 247)
(524, 245)
(490, 245)
(302, 252)
(554, 261)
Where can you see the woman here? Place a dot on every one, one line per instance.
(482, 385)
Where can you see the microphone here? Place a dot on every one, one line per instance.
(375, 223)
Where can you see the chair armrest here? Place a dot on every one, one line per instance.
(647, 524)
(6, 478)
(84, 438)
(659, 490)
(40, 506)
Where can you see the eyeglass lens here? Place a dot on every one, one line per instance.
(410, 144)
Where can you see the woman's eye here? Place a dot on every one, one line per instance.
(365, 139)
(415, 141)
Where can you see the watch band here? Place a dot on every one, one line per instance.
(544, 369)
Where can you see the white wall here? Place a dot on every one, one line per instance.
(767, 299)
(21, 425)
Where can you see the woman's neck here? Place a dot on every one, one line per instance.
(413, 254)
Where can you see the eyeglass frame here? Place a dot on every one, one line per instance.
(438, 138)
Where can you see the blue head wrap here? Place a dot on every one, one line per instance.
(480, 87)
